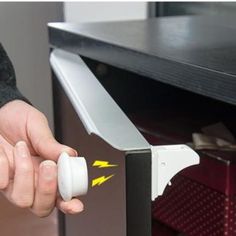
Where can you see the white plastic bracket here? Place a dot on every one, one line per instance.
(167, 161)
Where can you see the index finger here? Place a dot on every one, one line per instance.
(42, 139)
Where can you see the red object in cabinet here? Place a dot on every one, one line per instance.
(201, 200)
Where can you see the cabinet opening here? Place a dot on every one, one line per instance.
(200, 195)
(145, 100)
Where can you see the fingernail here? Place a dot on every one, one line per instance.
(21, 149)
(78, 208)
(75, 153)
(49, 170)
(71, 152)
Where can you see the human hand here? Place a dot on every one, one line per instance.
(28, 152)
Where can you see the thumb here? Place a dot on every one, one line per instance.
(42, 140)
(49, 148)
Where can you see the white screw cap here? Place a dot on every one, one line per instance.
(72, 176)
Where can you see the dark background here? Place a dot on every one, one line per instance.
(191, 8)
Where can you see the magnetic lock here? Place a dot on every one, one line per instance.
(103, 118)
(167, 161)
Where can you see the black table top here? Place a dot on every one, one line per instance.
(194, 53)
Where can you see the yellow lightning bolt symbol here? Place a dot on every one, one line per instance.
(100, 180)
(103, 164)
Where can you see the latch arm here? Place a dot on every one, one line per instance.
(167, 161)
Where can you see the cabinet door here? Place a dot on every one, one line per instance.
(88, 119)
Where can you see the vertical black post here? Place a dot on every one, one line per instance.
(138, 193)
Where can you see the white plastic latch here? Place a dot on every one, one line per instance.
(167, 161)
(72, 176)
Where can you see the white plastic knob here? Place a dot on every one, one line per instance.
(72, 176)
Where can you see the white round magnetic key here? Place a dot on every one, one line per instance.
(72, 176)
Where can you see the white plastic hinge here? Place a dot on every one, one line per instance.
(167, 161)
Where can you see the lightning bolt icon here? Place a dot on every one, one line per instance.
(100, 180)
(103, 164)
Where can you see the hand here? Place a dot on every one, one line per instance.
(28, 151)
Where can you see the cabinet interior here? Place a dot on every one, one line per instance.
(148, 102)
(168, 115)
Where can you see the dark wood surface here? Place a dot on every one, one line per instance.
(193, 53)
